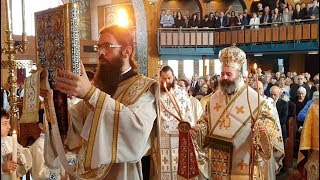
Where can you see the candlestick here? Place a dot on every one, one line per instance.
(14, 152)
(23, 17)
(9, 17)
(257, 86)
(173, 101)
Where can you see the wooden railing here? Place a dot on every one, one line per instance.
(284, 32)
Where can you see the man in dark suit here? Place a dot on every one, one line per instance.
(222, 21)
(206, 23)
(314, 11)
(282, 108)
(266, 17)
(195, 84)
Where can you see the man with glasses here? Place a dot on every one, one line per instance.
(282, 108)
(114, 127)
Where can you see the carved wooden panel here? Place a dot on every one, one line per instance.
(228, 37)
(199, 38)
(314, 31)
(222, 38)
(188, 38)
(205, 38)
(275, 33)
(175, 38)
(169, 38)
(261, 34)
(298, 34)
(234, 37)
(283, 33)
(193, 38)
(217, 38)
(306, 31)
(241, 36)
(211, 36)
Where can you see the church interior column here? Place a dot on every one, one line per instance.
(180, 68)
(196, 67)
(164, 62)
(211, 67)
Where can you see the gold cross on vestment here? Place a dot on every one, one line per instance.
(225, 121)
(240, 109)
(217, 107)
(242, 165)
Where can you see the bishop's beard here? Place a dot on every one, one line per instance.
(107, 78)
(229, 87)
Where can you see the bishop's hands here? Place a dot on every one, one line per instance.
(73, 84)
(262, 128)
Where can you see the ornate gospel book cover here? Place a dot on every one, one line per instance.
(58, 46)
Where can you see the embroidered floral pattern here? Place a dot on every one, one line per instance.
(169, 123)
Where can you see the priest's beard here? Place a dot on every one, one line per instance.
(229, 87)
(169, 86)
(107, 78)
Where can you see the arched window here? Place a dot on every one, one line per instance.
(31, 6)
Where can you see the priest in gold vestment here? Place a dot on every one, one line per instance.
(112, 128)
(225, 128)
(308, 157)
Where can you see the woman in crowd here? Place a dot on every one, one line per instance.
(233, 20)
(276, 17)
(298, 14)
(179, 21)
(194, 22)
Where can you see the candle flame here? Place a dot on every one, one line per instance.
(165, 85)
(255, 66)
(14, 132)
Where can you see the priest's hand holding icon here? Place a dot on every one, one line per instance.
(73, 84)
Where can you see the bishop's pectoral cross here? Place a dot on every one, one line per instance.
(225, 121)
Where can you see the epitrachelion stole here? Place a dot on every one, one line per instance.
(58, 46)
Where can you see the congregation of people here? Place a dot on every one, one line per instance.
(263, 15)
(127, 126)
(291, 93)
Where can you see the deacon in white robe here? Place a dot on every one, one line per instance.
(115, 124)
(39, 169)
(225, 128)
